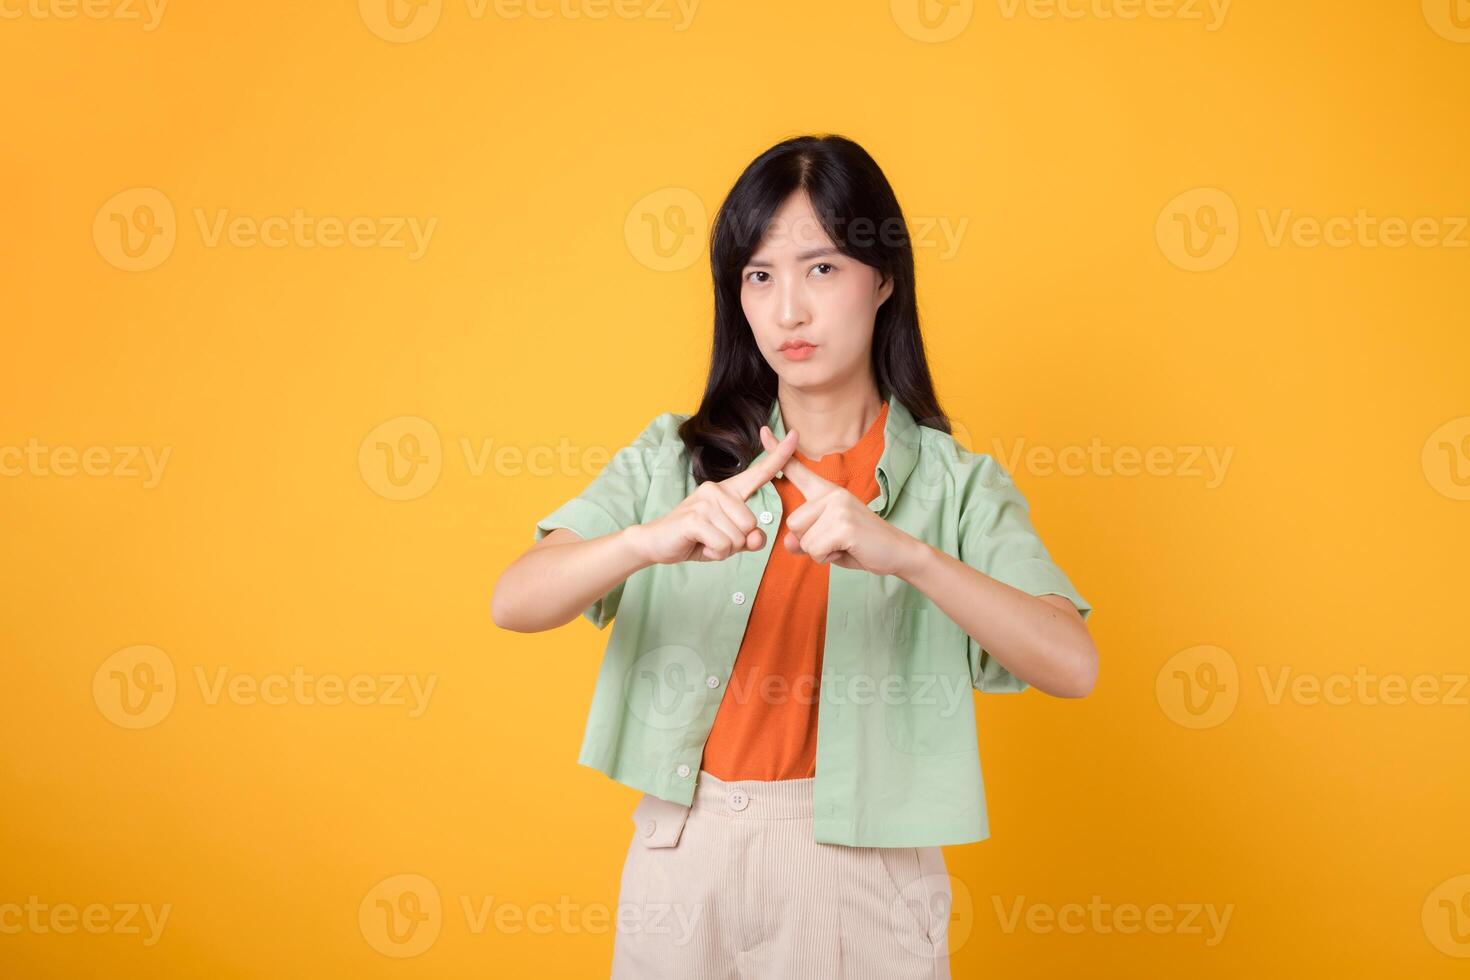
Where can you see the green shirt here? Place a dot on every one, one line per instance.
(897, 760)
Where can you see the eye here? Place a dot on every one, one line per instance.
(755, 272)
(824, 265)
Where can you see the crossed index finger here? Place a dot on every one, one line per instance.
(748, 481)
(811, 484)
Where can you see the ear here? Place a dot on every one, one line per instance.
(885, 290)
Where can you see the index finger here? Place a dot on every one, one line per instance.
(749, 480)
(811, 484)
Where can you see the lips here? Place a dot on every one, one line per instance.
(797, 350)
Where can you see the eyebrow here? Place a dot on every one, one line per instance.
(810, 253)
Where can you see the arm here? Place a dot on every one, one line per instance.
(559, 576)
(1042, 640)
(562, 574)
(1037, 639)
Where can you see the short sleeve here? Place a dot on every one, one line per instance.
(614, 500)
(997, 537)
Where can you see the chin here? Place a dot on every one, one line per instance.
(798, 376)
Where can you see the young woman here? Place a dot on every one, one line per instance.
(799, 717)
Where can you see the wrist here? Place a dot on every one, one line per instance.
(917, 558)
(633, 545)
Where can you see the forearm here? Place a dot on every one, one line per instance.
(551, 585)
(1036, 641)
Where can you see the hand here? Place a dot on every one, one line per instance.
(835, 526)
(713, 522)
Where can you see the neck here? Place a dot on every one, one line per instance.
(830, 420)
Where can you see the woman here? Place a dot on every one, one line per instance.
(799, 718)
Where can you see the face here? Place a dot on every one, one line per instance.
(811, 308)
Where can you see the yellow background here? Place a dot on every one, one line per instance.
(538, 317)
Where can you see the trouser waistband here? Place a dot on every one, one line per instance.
(760, 799)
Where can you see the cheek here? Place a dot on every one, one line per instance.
(852, 306)
(856, 296)
(756, 314)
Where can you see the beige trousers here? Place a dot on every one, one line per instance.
(734, 886)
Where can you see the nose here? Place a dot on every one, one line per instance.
(793, 310)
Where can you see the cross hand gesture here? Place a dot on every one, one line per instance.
(835, 526)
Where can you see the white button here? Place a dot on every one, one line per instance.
(712, 681)
(738, 800)
(767, 517)
(683, 771)
(738, 598)
(649, 827)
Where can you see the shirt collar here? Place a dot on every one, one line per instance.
(900, 449)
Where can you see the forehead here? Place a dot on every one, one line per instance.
(793, 228)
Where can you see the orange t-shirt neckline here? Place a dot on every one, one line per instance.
(839, 467)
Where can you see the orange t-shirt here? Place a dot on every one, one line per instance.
(766, 725)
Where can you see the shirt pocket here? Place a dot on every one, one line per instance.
(929, 707)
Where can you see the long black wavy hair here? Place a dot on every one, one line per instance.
(859, 212)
